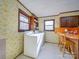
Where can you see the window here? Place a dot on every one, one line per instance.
(49, 25)
(23, 21)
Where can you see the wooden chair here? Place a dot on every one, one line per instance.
(67, 47)
(61, 42)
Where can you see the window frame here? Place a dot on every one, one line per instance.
(23, 13)
(49, 25)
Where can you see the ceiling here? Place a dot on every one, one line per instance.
(50, 7)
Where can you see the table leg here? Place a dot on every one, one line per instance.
(77, 49)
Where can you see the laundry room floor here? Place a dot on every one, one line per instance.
(49, 51)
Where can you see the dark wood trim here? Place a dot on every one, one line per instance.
(59, 14)
(27, 8)
(22, 12)
(18, 20)
(53, 25)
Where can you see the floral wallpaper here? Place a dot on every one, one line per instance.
(9, 27)
(2, 26)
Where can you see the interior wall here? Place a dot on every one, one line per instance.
(9, 27)
(51, 36)
(2, 26)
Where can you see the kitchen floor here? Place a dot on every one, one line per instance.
(49, 51)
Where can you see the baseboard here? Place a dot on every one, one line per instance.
(29, 56)
(50, 42)
(18, 55)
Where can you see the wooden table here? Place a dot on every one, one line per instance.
(73, 38)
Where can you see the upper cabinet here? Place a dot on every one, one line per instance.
(36, 23)
(69, 21)
(33, 23)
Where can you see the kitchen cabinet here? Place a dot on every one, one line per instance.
(33, 23)
(69, 21)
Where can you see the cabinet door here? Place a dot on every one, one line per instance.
(36, 23)
(69, 21)
(63, 22)
(33, 23)
(73, 21)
